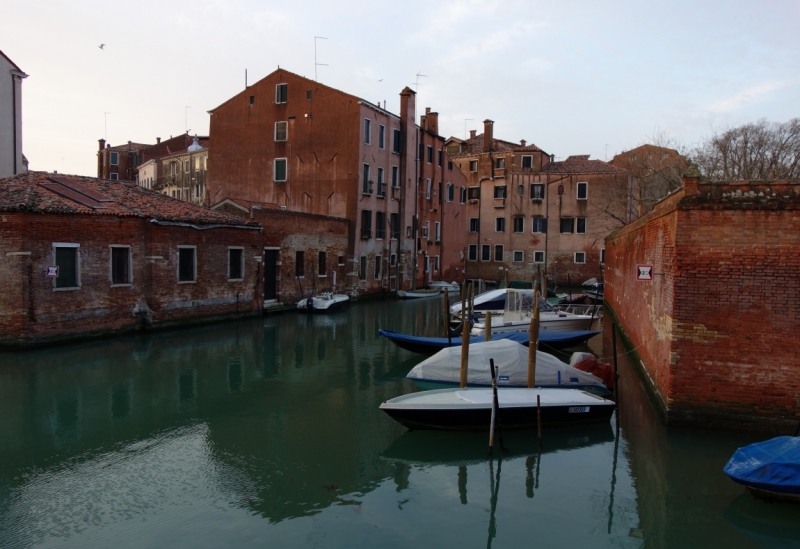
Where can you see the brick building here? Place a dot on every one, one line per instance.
(713, 329)
(529, 215)
(181, 175)
(122, 161)
(82, 256)
(313, 149)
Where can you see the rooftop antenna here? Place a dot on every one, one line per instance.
(465, 126)
(186, 118)
(315, 56)
(416, 84)
(105, 122)
(245, 79)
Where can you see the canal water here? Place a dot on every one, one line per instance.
(267, 433)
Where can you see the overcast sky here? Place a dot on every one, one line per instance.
(572, 77)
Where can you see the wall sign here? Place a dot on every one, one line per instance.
(52, 270)
(644, 272)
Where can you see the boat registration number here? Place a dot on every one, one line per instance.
(578, 409)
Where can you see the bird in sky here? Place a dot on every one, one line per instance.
(102, 46)
(381, 80)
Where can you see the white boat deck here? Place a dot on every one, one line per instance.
(482, 398)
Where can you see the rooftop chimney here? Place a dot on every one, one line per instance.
(433, 122)
(522, 142)
(472, 134)
(102, 144)
(158, 140)
(488, 135)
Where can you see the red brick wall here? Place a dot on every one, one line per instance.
(715, 332)
(31, 310)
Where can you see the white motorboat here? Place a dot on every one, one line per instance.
(415, 294)
(323, 301)
(517, 314)
(494, 301)
(451, 287)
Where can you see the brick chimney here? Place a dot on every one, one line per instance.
(433, 122)
(488, 135)
(102, 144)
(472, 134)
(522, 142)
(158, 140)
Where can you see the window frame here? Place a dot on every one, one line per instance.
(380, 225)
(285, 124)
(381, 137)
(241, 263)
(499, 248)
(499, 224)
(538, 262)
(366, 187)
(540, 222)
(602, 256)
(474, 193)
(367, 131)
(463, 195)
(397, 137)
(514, 256)
(366, 224)
(474, 221)
(322, 263)
(113, 159)
(299, 264)
(111, 249)
(472, 252)
(585, 186)
(428, 188)
(395, 177)
(430, 154)
(501, 190)
(77, 248)
(436, 264)
(488, 249)
(575, 258)
(381, 183)
(450, 192)
(377, 272)
(561, 225)
(437, 231)
(521, 220)
(500, 163)
(539, 186)
(522, 165)
(113, 176)
(362, 267)
(578, 221)
(194, 264)
(285, 170)
(281, 93)
(473, 164)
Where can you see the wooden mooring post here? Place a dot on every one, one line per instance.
(447, 319)
(464, 340)
(533, 341)
(495, 404)
(487, 336)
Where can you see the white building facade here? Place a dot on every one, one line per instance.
(11, 159)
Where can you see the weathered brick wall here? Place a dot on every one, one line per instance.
(32, 310)
(715, 332)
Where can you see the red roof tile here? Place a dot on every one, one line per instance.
(42, 192)
(581, 164)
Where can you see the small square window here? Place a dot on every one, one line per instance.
(473, 166)
(527, 162)
(114, 176)
(281, 131)
(519, 256)
(474, 193)
(279, 173)
(567, 225)
(580, 257)
(187, 264)
(235, 263)
(500, 163)
(537, 191)
(583, 191)
(500, 191)
(538, 257)
(281, 93)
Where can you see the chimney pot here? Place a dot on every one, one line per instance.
(102, 144)
(158, 140)
(472, 134)
(433, 122)
(522, 142)
(488, 135)
(427, 111)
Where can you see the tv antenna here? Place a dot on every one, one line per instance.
(315, 56)
(416, 83)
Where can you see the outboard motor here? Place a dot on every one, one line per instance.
(310, 304)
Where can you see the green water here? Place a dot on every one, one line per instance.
(267, 433)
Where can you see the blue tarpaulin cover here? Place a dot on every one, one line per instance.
(772, 465)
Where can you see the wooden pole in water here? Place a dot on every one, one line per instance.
(487, 336)
(495, 405)
(464, 341)
(447, 317)
(539, 416)
(471, 300)
(616, 374)
(569, 285)
(533, 341)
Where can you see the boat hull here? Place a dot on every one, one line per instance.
(432, 345)
(417, 294)
(434, 384)
(556, 324)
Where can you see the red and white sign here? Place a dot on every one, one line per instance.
(52, 270)
(644, 272)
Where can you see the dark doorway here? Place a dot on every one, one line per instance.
(270, 274)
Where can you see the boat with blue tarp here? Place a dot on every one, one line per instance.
(769, 469)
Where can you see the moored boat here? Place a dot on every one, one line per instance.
(451, 287)
(323, 301)
(470, 408)
(769, 469)
(416, 294)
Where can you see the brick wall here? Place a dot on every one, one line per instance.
(715, 328)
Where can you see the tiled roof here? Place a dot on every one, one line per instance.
(249, 204)
(130, 147)
(581, 164)
(474, 145)
(41, 192)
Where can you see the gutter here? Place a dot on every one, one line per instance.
(203, 227)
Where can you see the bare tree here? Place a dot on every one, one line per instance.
(760, 151)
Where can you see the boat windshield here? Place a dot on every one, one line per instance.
(519, 305)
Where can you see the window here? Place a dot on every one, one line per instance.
(235, 264)
(437, 234)
(500, 225)
(499, 191)
(425, 229)
(450, 192)
(299, 264)
(120, 265)
(521, 190)
(186, 166)
(381, 136)
(583, 191)
(602, 256)
(281, 91)
(527, 161)
(308, 95)
(474, 224)
(378, 265)
(68, 263)
(114, 176)
(280, 170)
(500, 164)
(428, 189)
(425, 264)
(381, 190)
(197, 191)
(537, 191)
(567, 225)
(580, 257)
(252, 99)
(450, 165)
(581, 225)
(367, 131)
(393, 260)
(366, 187)
(322, 264)
(396, 141)
(538, 257)
(187, 264)
(472, 252)
(173, 168)
(362, 268)
(395, 177)
(441, 157)
(281, 130)
(463, 194)
(436, 263)
(538, 224)
(394, 225)
(474, 193)
(486, 252)
(340, 260)
(498, 252)
(430, 154)
(519, 224)
(380, 225)
(473, 165)
(518, 256)
(114, 159)
(366, 223)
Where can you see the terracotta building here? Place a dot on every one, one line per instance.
(704, 289)
(181, 175)
(528, 215)
(122, 161)
(84, 256)
(313, 149)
